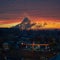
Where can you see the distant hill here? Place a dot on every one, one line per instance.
(25, 24)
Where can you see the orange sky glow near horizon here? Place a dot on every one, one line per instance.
(45, 14)
(50, 23)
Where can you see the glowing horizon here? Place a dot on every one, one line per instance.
(12, 12)
(50, 23)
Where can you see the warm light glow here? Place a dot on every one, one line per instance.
(41, 23)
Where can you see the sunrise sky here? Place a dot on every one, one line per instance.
(12, 12)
